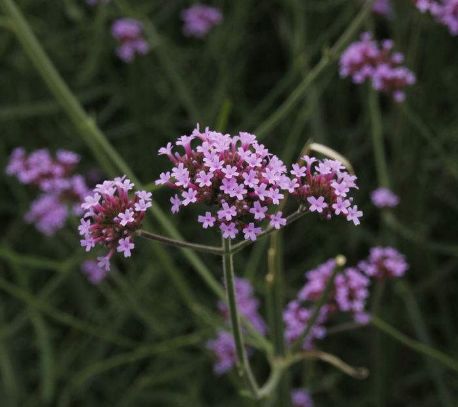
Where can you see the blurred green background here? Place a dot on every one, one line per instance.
(134, 341)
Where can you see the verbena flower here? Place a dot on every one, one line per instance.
(223, 349)
(369, 60)
(199, 19)
(62, 190)
(301, 398)
(111, 216)
(382, 7)
(93, 272)
(384, 198)
(243, 183)
(129, 34)
(324, 187)
(384, 262)
(223, 346)
(444, 11)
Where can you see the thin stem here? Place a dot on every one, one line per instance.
(419, 347)
(340, 261)
(326, 60)
(180, 243)
(243, 363)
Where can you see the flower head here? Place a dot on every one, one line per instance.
(384, 198)
(384, 262)
(199, 19)
(443, 11)
(129, 34)
(111, 216)
(376, 62)
(93, 272)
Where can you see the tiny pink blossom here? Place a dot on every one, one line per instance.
(316, 204)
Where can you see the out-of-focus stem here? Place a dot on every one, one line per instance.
(243, 364)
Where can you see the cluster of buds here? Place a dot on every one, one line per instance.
(323, 186)
(444, 11)
(223, 346)
(199, 19)
(111, 217)
(348, 294)
(384, 198)
(129, 33)
(243, 184)
(369, 60)
(62, 190)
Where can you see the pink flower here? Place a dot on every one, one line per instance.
(277, 221)
(207, 220)
(125, 246)
(251, 231)
(229, 230)
(353, 214)
(317, 204)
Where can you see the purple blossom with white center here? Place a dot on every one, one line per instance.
(199, 19)
(251, 231)
(125, 246)
(189, 196)
(229, 230)
(129, 34)
(277, 221)
(114, 219)
(340, 206)
(384, 262)
(384, 198)
(317, 204)
(353, 214)
(301, 398)
(93, 272)
(367, 59)
(207, 220)
(163, 178)
(258, 211)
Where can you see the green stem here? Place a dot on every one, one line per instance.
(414, 345)
(243, 363)
(180, 243)
(326, 60)
(297, 345)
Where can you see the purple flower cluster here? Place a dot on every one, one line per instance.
(111, 218)
(384, 262)
(301, 398)
(129, 33)
(199, 19)
(223, 346)
(93, 272)
(384, 198)
(444, 11)
(62, 190)
(244, 183)
(324, 186)
(382, 7)
(369, 60)
(349, 293)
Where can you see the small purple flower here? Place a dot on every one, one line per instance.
(316, 204)
(353, 214)
(382, 7)
(258, 211)
(227, 212)
(251, 231)
(129, 34)
(277, 221)
(189, 196)
(199, 19)
(384, 262)
(229, 230)
(93, 272)
(443, 11)
(301, 398)
(176, 203)
(207, 220)
(223, 347)
(384, 198)
(125, 246)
